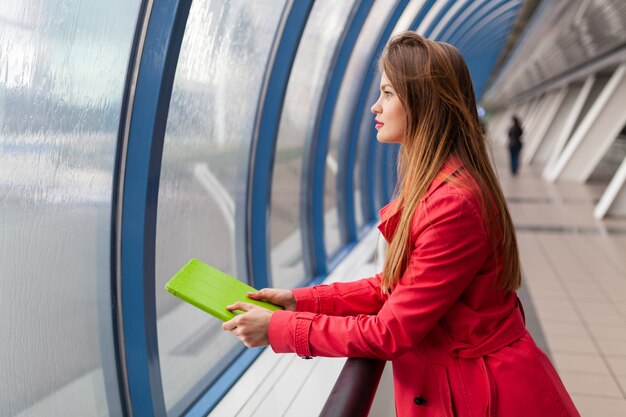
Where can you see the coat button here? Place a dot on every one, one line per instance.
(419, 401)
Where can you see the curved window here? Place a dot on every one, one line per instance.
(210, 124)
(367, 157)
(62, 75)
(370, 151)
(340, 132)
(297, 126)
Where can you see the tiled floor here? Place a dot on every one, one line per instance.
(575, 271)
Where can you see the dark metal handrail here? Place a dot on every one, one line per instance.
(355, 388)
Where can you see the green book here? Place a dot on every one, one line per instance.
(211, 290)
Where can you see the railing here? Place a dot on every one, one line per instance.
(355, 388)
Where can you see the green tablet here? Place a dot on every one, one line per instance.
(211, 290)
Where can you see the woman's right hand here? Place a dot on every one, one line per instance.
(276, 296)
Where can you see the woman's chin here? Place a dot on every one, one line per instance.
(381, 138)
(386, 141)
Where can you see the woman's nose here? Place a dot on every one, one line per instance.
(374, 108)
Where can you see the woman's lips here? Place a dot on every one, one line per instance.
(378, 124)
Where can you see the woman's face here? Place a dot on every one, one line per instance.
(390, 115)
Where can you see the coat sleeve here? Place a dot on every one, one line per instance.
(448, 251)
(342, 298)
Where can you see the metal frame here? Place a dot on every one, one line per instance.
(454, 26)
(557, 123)
(445, 24)
(367, 167)
(313, 207)
(529, 29)
(268, 111)
(263, 144)
(393, 174)
(355, 388)
(494, 33)
(367, 164)
(503, 16)
(475, 19)
(546, 118)
(596, 132)
(139, 167)
(482, 64)
(214, 394)
(117, 375)
(441, 13)
(383, 156)
(377, 155)
(613, 200)
(423, 11)
(348, 148)
(139, 161)
(382, 166)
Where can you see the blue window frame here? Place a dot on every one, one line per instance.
(318, 151)
(264, 144)
(438, 17)
(336, 199)
(473, 19)
(346, 184)
(142, 164)
(442, 27)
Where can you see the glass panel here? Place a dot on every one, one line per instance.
(367, 144)
(348, 95)
(380, 176)
(392, 164)
(297, 124)
(367, 135)
(209, 129)
(62, 76)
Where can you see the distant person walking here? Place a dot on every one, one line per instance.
(515, 143)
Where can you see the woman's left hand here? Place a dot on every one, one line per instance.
(250, 327)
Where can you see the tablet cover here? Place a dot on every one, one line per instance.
(211, 290)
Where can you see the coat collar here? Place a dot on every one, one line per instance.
(390, 214)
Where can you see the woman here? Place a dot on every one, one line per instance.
(515, 143)
(444, 309)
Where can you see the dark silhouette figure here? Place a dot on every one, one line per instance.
(515, 143)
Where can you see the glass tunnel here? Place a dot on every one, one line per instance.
(135, 135)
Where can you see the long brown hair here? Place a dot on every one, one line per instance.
(433, 84)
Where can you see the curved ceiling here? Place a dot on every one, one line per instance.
(566, 35)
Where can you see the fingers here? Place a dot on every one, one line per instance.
(258, 295)
(241, 306)
(230, 325)
(273, 295)
(251, 327)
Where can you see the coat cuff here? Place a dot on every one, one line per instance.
(306, 299)
(318, 299)
(289, 332)
(325, 297)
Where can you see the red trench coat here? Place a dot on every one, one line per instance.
(459, 347)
